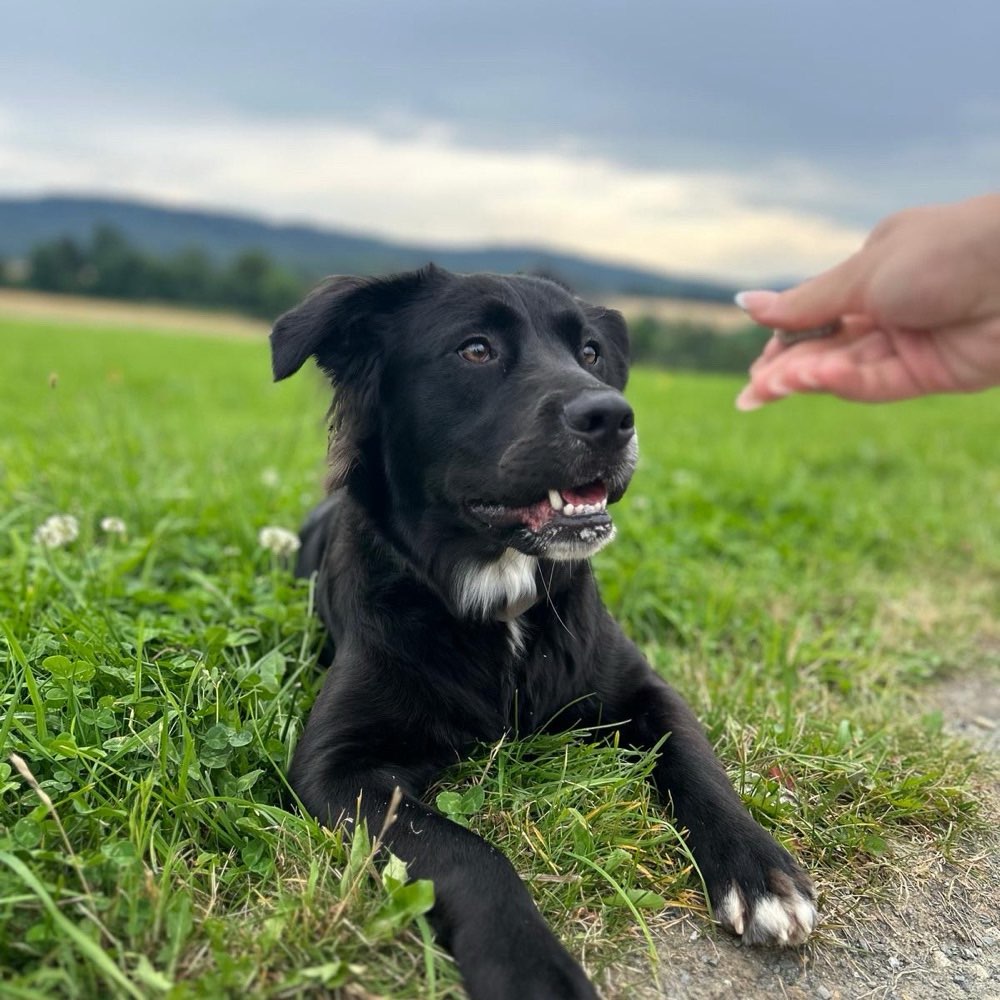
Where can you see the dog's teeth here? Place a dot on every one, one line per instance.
(577, 509)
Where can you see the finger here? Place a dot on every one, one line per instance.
(771, 350)
(850, 327)
(817, 301)
(881, 380)
(783, 357)
(874, 346)
(783, 370)
(868, 368)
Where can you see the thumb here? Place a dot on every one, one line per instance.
(819, 300)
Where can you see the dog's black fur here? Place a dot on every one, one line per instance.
(461, 604)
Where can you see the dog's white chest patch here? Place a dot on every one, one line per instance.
(515, 637)
(502, 588)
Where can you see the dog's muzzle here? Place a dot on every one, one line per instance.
(568, 522)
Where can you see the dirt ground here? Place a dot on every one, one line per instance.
(936, 934)
(722, 315)
(18, 303)
(21, 303)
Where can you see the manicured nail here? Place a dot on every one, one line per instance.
(754, 300)
(748, 400)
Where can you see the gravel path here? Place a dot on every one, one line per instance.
(936, 937)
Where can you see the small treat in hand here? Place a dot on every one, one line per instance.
(789, 337)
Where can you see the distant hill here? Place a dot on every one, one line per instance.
(313, 252)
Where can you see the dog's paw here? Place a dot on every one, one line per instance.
(782, 913)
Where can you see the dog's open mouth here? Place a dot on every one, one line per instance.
(577, 507)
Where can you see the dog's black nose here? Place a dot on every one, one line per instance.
(601, 418)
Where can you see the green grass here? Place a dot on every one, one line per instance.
(798, 573)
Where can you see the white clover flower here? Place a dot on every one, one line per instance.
(280, 541)
(113, 525)
(57, 530)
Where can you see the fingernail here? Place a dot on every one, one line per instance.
(757, 299)
(748, 400)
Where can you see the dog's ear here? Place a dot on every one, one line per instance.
(315, 324)
(335, 323)
(342, 324)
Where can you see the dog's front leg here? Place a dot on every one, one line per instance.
(482, 913)
(756, 888)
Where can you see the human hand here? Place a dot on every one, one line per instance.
(919, 306)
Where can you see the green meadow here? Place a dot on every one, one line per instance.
(803, 574)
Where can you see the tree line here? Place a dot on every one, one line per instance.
(108, 265)
(691, 346)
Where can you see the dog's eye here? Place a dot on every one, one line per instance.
(589, 353)
(477, 350)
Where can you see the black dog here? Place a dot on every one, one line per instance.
(478, 435)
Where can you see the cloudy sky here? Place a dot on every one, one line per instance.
(742, 139)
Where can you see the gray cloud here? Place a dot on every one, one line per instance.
(890, 102)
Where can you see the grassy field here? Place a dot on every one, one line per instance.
(799, 573)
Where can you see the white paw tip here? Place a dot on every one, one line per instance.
(786, 919)
(770, 921)
(806, 914)
(731, 911)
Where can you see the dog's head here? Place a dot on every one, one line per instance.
(475, 412)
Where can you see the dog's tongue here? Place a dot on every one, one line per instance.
(593, 492)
